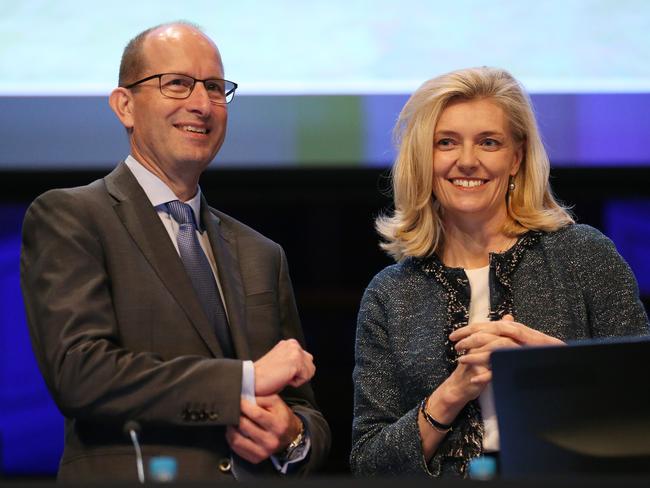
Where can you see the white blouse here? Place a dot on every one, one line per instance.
(479, 311)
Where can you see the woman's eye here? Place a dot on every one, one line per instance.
(490, 143)
(445, 142)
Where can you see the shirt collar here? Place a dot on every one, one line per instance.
(158, 192)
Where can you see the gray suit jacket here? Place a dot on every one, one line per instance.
(119, 333)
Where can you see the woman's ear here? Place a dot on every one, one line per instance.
(519, 157)
(121, 102)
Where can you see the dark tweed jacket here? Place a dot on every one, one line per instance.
(570, 284)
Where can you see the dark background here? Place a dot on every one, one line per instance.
(324, 220)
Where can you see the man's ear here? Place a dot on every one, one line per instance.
(121, 102)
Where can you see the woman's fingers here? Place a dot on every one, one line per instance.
(469, 336)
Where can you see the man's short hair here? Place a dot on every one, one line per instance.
(133, 62)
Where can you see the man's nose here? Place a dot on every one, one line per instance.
(199, 100)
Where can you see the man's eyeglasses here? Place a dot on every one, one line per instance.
(174, 85)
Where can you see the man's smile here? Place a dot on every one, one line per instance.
(193, 128)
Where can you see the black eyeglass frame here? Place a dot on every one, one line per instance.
(160, 75)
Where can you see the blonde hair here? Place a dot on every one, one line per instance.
(415, 227)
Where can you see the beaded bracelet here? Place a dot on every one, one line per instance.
(438, 426)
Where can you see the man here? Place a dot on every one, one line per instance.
(144, 304)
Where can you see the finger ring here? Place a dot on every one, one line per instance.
(462, 352)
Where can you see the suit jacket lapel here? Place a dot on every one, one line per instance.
(224, 248)
(142, 222)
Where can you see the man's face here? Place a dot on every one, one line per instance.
(178, 137)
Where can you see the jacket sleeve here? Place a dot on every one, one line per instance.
(609, 287)
(385, 434)
(76, 337)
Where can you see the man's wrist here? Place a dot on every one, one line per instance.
(296, 442)
(297, 451)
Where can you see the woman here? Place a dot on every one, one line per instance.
(486, 258)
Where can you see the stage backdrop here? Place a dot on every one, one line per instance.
(322, 82)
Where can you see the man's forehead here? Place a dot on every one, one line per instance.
(179, 32)
(178, 39)
(179, 35)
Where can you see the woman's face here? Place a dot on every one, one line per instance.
(474, 155)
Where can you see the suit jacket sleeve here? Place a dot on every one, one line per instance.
(77, 340)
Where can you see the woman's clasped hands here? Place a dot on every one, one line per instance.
(475, 342)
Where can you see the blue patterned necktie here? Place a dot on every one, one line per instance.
(200, 273)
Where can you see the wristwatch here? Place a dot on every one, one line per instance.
(297, 442)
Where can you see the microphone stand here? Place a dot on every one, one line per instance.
(132, 429)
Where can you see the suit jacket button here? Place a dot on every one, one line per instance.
(224, 465)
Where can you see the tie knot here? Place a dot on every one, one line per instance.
(181, 212)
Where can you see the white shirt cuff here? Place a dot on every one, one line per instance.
(248, 381)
